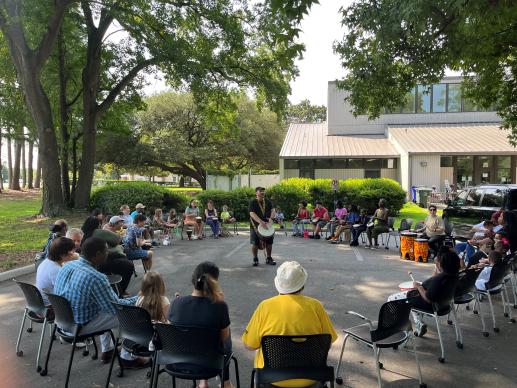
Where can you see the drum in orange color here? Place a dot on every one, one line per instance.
(407, 240)
(421, 249)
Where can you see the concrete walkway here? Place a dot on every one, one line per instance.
(343, 278)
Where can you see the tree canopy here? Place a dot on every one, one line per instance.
(305, 112)
(392, 45)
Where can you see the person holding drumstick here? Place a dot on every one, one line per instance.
(261, 213)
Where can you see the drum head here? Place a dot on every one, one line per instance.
(266, 233)
(421, 240)
(356, 225)
(404, 286)
(408, 234)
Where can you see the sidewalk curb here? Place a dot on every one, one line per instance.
(17, 272)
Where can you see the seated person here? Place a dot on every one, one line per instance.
(172, 218)
(212, 219)
(58, 229)
(76, 235)
(288, 313)
(125, 213)
(117, 262)
(98, 213)
(362, 225)
(205, 308)
(279, 217)
(493, 258)
(303, 217)
(226, 216)
(338, 219)
(134, 243)
(432, 289)
(139, 209)
(115, 225)
(433, 230)
(485, 247)
(380, 224)
(159, 224)
(61, 251)
(351, 219)
(320, 217)
(91, 296)
(478, 232)
(192, 219)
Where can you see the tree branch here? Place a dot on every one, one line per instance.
(108, 101)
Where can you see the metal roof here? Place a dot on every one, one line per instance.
(466, 139)
(313, 141)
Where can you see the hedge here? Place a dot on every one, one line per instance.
(237, 200)
(109, 198)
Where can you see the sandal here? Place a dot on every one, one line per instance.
(270, 261)
(255, 261)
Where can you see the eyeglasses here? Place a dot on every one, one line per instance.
(432, 210)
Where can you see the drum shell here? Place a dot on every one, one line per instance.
(421, 250)
(407, 246)
(263, 237)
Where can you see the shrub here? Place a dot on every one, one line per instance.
(237, 200)
(110, 197)
(287, 197)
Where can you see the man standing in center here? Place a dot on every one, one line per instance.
(261, 213)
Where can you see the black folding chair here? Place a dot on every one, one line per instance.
(190, 353)
(67, 329)
(294, 357)
(391, 330)
(135, 332)
(464, 294)
(439, 309)
(37, 312)
(494, 286)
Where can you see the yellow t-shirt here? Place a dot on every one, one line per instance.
(287, 315)
(225, 216)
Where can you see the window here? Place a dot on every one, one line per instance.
(306, 168)
(464, 171)
(389, 163)
(485, 167)
(290, 164)
(504, 169)
(339, 163)
(372, 163)
(423, 99)
(439, 97)
(446, 161)
(454, 98)
(355, 163)
(493, 198)
(409, 105)
(323, 163)
(372, 173)
(469, 105)
(461, 199)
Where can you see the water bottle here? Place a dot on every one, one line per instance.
(305, 233)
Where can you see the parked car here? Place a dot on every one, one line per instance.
(482, 201)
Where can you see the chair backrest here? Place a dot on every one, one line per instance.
(188, 340)
(393, 317)
(298, 351)
(391, 222)
(63, 312)
(419, 225)
(466, 281)
(33, 298)
(446, 297)
(134, 324)
(499, 271)
(405, 224)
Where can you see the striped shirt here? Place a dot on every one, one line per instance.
(87, 290)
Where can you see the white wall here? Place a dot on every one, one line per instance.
(329, 173)
(222, 182)
(391, 173)
(342, 122)
(428, 175)
(290, 173)
(446, 173)
(405, 172)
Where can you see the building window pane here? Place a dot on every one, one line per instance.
(464, 171)
(372, 163)
(290, 164)
(355, 163)
(423, 99)
(485, 166)
(323, 163)
(389, 163)
(469, 105)
(306, 168)
(372, 173)
(339, 163)
(504, 162)
(409, 105)
(439, 94)
(446, 161)
(454, 98)
(504, 169)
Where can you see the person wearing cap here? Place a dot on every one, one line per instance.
(289, 313)
(115, 225)
(139, 209)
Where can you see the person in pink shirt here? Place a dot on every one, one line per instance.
(338, 219)
(320, 217)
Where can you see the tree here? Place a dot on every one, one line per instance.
(393, 45)
(305, 112)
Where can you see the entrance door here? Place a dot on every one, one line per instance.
(306, 168)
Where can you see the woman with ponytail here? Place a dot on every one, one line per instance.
(206, 308)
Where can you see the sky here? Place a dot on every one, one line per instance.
(319, 64)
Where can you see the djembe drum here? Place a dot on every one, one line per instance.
(407, 240)
(421, 250)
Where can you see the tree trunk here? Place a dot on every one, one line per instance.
(37, 180)
(1, 165)
(24, 164)
(182, 181)
(16, 169)
(9, 160)
(30, 170)
(63, 115)
(74, 168)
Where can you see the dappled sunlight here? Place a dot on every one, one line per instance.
(11, 299)
(375, 290)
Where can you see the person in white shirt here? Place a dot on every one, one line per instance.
(125, 214)
(61, 250)
(494, 257)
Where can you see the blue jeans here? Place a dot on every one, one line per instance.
(301, 224)
(214, 225)
(465, 247)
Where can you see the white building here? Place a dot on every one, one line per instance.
(437, 136)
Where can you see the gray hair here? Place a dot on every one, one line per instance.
(74, 231)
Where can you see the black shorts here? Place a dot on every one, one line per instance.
(255, 240)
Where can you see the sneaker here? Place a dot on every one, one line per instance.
(195, 238)
(296, 234)
(270, 261)
(255, 261)
(421, 329)
(317, 237)
(374, 247)
(78, 345)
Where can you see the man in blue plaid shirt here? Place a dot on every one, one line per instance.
(90, 293)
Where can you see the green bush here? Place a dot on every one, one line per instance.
(287, 197)
(237, 200)
(109, 198)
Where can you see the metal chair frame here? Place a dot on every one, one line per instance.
(405, 224)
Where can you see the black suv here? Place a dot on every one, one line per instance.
(482, 201)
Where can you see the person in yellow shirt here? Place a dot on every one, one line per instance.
(289, 313)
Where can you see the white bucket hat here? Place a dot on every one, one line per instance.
(290, 277)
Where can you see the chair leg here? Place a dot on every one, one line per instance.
(38, 367)
(153, 366)
(480, 312)
(19, 352)
(112, 362)
(96, 354)
(237, 378)
(71, 359)
(459, 337)
(376, 353)
(156, 373)
(442, 358)
(417, 360)
(252, 384)
(508, 305)
(339, 380)
(496, 329)
(52, 337)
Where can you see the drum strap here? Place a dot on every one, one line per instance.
(262, 245)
